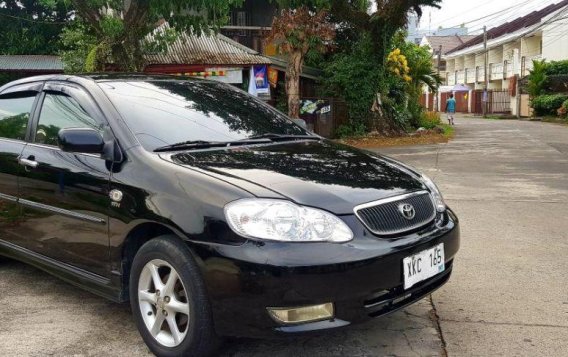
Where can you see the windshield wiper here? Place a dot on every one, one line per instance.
(275, 137)
(263, 138)
(202, 144)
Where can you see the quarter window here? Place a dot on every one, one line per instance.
(14, 115)
(60, 111)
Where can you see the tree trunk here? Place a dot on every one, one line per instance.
(381, 120)
(293, 83)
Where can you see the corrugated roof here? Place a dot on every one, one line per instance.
(30, 63)
(510, 27)
(204, 49)
(448, 43)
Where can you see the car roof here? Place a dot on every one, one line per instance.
(99, 77)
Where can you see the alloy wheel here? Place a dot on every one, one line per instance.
(163, 303)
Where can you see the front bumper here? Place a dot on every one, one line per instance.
(363, 278)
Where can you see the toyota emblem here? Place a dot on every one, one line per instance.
(407, 210)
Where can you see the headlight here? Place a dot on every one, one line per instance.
(281, 220)
(438, 199)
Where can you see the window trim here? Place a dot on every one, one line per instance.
(70, 90)
(22, 88)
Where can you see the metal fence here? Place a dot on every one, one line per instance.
(498, 102)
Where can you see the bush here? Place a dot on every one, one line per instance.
(350, 130)
(556, 83)
(557, 67)
(429, 120)
(563, 110)
(548, 104)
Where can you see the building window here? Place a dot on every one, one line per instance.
(241, 18)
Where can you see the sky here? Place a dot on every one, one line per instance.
(476, 13)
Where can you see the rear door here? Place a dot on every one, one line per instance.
(65, 195)
(16, 105)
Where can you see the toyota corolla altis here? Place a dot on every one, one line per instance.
(211, 212)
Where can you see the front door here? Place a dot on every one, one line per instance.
(15, 110)
(65, 195)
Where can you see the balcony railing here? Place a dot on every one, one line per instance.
(480, 73)
(508, 69)
(470, 75)
(496, 71)
(450, 78)
(460, 76)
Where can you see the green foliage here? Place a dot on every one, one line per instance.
(350, 130)
(31, 28)
(120, 26)
(354, 76)
(563, 110)
(556, 67)
(78, 48)
(448, 130)
(556, 83)
(548, 104)
(429, 120)
(537, 78)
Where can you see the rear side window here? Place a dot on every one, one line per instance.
(14, 114)
(60, 111)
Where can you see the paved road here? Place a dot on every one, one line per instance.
(507, 180)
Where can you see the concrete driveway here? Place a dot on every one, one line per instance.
(508, 182)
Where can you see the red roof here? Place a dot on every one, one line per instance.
(513, 26)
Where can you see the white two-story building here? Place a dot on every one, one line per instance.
(511, 48)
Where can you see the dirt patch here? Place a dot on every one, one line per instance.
(382, 141)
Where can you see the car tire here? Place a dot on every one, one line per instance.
(181, 308)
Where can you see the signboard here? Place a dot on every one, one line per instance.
(311, 106)
(261, 79)
(230, 75)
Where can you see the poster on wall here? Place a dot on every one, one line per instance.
(261, 79)
(273, 76)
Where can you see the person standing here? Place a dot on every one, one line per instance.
(451, 109)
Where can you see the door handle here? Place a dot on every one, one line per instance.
(28, 162)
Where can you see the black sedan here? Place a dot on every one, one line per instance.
(211, 212)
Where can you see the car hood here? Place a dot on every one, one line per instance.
(321, 174)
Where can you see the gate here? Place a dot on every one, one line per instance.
(461, 101)
(499, 102)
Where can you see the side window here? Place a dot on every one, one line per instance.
(60, 111)
(15, 111)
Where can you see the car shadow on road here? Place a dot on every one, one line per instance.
(56, 318)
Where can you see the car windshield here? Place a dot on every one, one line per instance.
(167, 112)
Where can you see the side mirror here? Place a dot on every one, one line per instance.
(81, 140)
(301, 122)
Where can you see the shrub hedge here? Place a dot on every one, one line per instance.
(548, 104)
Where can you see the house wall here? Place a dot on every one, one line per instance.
(458, 63)
(555, 41)
(451, 66)
(530, 46)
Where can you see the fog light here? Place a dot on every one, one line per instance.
(301, 314)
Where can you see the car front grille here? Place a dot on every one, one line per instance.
(385, 217)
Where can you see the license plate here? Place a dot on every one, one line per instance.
(423, 265)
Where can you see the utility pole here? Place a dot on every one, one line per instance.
(439, 61)
(485, 96)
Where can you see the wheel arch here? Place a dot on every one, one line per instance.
(135, 239)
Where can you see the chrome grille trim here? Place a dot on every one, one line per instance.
(378, 207)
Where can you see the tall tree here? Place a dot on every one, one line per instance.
(120, 26)
(381, 21)
(30, 27)
(295, 32)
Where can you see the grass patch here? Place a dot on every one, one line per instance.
(449, 130)
(430, 137)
